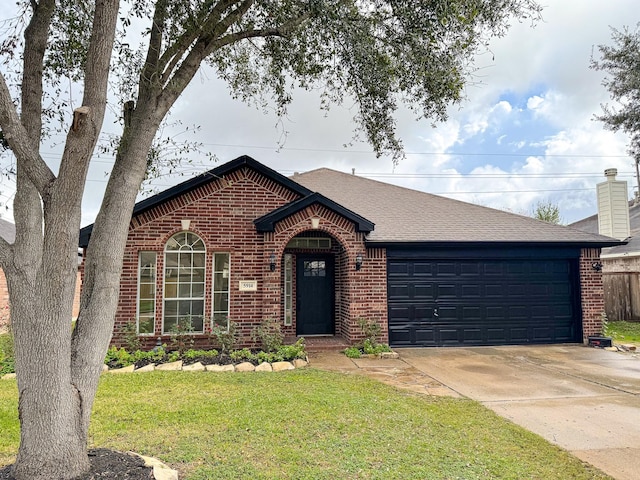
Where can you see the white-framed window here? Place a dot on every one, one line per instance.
(221, 289)
(146, 305)
(184, 278)
(288, 289)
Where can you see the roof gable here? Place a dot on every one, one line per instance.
(267, 222)
(203, 179)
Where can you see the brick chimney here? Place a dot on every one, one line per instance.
(613, 206)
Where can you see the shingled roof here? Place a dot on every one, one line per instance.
(404, 215)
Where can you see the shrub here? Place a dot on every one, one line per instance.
(370, 329)
(182, 335)
(119, 358)
(225, 337)
(194, 354)
(268, 357)
(352, 352)
(243, 354)
(374, 349)
(291, 352)
(268, 335)
(129, 335)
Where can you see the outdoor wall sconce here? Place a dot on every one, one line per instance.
(597, 266)
(272, 262)
(358, 261)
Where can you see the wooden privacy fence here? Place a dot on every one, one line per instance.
(622, 296)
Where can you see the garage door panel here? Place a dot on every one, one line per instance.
(423, 269)
(425, 291)
(446, 290)
(472, 335)
(518, 335)
(495, 290)
(482, 302)
(448, 336)
(444, 269)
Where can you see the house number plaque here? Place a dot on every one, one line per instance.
(248, 286)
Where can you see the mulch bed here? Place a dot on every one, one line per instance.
(107, 464)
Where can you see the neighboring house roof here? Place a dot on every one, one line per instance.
(7, 230)
(403, 215)
(590, 225)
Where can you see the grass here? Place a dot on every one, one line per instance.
(624, 332)
(305, 424)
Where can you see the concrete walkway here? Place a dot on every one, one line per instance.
(585, 400)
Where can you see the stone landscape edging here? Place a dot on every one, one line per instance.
(199, 367)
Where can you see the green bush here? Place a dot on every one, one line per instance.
(193, 354)
(129, 334)
(370, 329)
(353, 352)
(226, 337)
(291, 352)
(243, 354)
(182, 335)
(119, 357)
(374, 349)
(268, 335)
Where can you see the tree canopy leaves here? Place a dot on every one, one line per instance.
(374, 54)
(621, 61)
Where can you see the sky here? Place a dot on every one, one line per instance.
(525, 134)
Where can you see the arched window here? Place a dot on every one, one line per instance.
(184, 273)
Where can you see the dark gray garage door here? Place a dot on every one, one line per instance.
(440, 302)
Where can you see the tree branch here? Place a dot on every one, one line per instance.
(175, 52)
(87, 119)
(212, 41)
(149, 73)
(20, 142)
(36, 37)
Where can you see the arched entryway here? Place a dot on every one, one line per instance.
(314, 284)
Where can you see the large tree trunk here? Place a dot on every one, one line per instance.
(53, 441)
(41, 266)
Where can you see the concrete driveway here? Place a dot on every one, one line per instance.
(585, 400)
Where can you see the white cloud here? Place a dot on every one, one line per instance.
(535, 102)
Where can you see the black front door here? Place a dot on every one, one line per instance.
(314, 295)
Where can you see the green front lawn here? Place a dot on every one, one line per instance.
(624, 332)
(305, 424)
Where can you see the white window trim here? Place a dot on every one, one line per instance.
(288, 289)
(214, 291)
(155, 306)
(204, 289)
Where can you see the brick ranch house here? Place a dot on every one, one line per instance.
(319, 250)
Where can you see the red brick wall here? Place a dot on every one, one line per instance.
(591, 293)
(222, 214)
